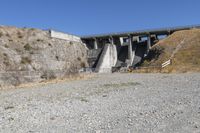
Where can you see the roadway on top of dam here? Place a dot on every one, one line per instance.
(160, 31)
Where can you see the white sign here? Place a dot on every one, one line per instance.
(166, 63)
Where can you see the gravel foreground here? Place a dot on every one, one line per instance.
(106, 103)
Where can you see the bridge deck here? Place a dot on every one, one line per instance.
(142, 32)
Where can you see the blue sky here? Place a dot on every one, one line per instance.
(85, 17)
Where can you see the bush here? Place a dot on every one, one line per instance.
(19, 35)
(7, 35)
(10, 40)
(71, 43)
(39, 40)
(26, 60)
(50, 44)
(18, 50)
(83, 64)
(27, 47)
(31, 52)
(6, 59)
(79, 58)
(4, 54)
(6, 62)
(57, 58)
(48, 75)
(6, 46)
(1, 34)
(155, 53)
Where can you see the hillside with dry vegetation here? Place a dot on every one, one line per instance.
(182, 47)
(28, 55)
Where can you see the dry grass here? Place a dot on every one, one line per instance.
(182, 47)
(119, 85)
(47, 82)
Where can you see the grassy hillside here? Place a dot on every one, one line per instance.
(182, 47)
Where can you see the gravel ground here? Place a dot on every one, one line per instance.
(106, 103)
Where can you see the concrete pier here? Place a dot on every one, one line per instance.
(95, 43)
(148, 43)
(107, 60)
(130, 50)
(111, 39)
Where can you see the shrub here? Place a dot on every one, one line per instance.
(79, 58)
(6, 59)
(19, 35)
(57, 58)
(83, 64)
(6, 46)
(10, 40)
(50, 44)
(155, 53)
(27, 47)
(39, 40)
(4, 54)
(71, 43)
(7, 35)
(31, 52)
(48, 75)
(6, 62)
(26, 60)
(18, 50)
(1, 34)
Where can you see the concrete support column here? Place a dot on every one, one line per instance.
(148, 43)
(130, 49)
(140, 39)
(136, 39)
(95, 44)
(111, 40)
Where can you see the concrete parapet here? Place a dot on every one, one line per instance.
(64, 36)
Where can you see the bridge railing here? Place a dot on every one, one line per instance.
(143, 31)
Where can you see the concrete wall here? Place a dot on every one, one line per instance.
(122, 56)
(64, 36)
(139, 54)
(108, 59)
(93, 56)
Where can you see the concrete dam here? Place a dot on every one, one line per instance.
(108, 52)
(126, 49)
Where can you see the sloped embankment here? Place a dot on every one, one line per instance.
(182, 47)
(28, 55)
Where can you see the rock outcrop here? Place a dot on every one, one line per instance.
(28, 55)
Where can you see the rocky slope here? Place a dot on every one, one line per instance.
(182, 47)
(28, 55)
